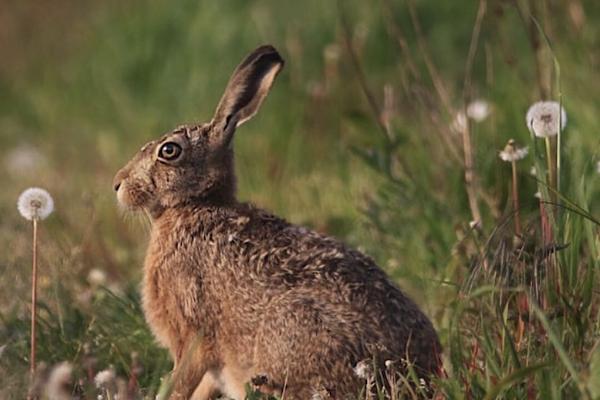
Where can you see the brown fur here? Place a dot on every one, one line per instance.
(234, 292)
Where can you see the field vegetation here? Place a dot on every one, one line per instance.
(389, 128)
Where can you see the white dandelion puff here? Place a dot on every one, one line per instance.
(533, 171)
(35, 203)
(478, 110)
(58, 386)
(513, 153)
(105, 379)
(544, 118)
(24, 160)
(362, 370)
(96, 277)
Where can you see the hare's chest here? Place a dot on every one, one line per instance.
(171, 302)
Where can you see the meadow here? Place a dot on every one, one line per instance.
(385, 129)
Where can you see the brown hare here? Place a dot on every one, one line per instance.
(239, 295)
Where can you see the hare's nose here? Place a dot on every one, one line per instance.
(118, 179)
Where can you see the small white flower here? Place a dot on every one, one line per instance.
(59, 382)
(105, 378)
(543, 118)
(362, 370)
(96, 277)
(513, 153)
(459, 125)
(478, 110)
(35, 203)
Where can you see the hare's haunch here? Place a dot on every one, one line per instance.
(240, 296)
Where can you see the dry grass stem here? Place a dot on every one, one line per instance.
(470, 173)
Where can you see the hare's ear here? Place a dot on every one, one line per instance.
(246, 90)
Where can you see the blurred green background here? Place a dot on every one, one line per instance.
(84, 84)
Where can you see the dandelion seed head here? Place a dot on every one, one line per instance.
(478, 110)
(543, 118)
(533, 171)
(362, 370)
(59, 382)
(35, 203)
(105, 378)
(513, 153)
(24, 160)
(96, 277)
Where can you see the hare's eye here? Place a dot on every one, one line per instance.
(169, 151)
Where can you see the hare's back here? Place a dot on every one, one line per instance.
(339, 289)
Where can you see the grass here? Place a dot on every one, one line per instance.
(81, 95)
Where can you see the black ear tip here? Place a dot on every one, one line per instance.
(267, 52)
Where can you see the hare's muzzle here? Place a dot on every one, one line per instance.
(117, 180)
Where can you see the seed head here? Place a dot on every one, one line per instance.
(59, 382)
(545, 117)
(362, 370)
(513, 153)
(35, 203)
(24, 160)
(105, 379)
(478, 110)
(96, 277)
(533, 171)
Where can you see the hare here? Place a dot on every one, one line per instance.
(238, 295)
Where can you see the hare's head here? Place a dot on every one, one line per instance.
(194, 163)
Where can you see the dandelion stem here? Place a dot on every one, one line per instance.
(551, 170)
(515, 198)
(33, 300)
